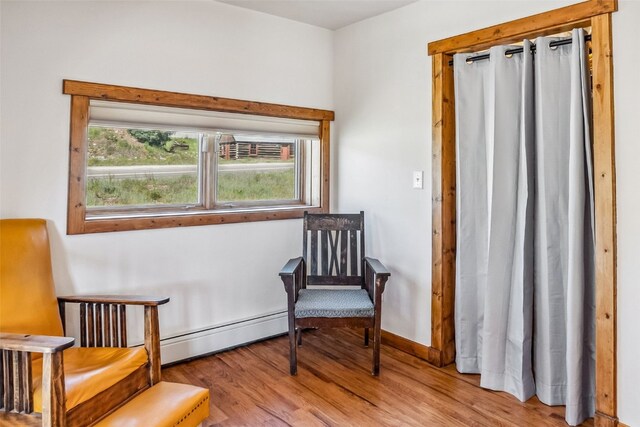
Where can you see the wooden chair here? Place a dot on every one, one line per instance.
(42, 384)
(333, 255)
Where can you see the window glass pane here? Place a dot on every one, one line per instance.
(141, 167)
(256, 168)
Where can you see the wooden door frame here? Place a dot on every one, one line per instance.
(597, 15)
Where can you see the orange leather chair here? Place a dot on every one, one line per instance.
(40, 381)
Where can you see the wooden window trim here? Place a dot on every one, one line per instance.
(81, 94)
(186, 100)
(597, 15)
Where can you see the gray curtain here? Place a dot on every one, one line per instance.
(524, 304)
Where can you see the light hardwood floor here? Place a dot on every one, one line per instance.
(251, 386)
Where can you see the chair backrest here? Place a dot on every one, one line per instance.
(333, 248)
(28, 303)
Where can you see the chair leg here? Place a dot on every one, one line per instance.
(299, 334)
(293, 352)
(376, 349)
(366, 337)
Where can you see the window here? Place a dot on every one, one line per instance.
(167, 161)
(146, 159)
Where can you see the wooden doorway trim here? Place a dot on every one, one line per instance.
(597, 15)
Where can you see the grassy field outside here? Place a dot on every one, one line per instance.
(146, 191)
(246, 185)
(117, 147)
(232, 187)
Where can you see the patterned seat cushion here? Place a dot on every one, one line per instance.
(334, 303)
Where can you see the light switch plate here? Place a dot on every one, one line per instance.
(418, 180)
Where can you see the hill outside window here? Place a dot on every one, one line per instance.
(136, 165)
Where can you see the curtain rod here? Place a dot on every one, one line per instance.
(554, 43)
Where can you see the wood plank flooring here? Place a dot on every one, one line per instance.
(251, 386)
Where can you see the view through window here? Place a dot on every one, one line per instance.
(256, 169)
(138, 167)
(150, 167)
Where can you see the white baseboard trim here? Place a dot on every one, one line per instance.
(222, 337)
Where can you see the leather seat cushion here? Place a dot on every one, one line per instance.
(163, 405)
(334, 303)
(89, 371)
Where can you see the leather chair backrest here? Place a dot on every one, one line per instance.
(28, 303)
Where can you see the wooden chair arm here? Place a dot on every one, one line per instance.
(294, 278)
(377, 267)
(291, 266)
(375, 279)
(96, 332)
(17, 393)
(115, 299)
(34, 343)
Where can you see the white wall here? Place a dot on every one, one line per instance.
(382, 95)
(627, 93)
(217, 274)
(383, 105)
(383, 102)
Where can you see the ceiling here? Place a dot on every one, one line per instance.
(330, 14)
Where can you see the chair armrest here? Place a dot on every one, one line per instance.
(34, 343)
(17, 394)
(294, 278)
(375, 279)
(95, 326)
(115, 299)
(291, 266)
(377, 267)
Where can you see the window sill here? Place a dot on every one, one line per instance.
(139, 221)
